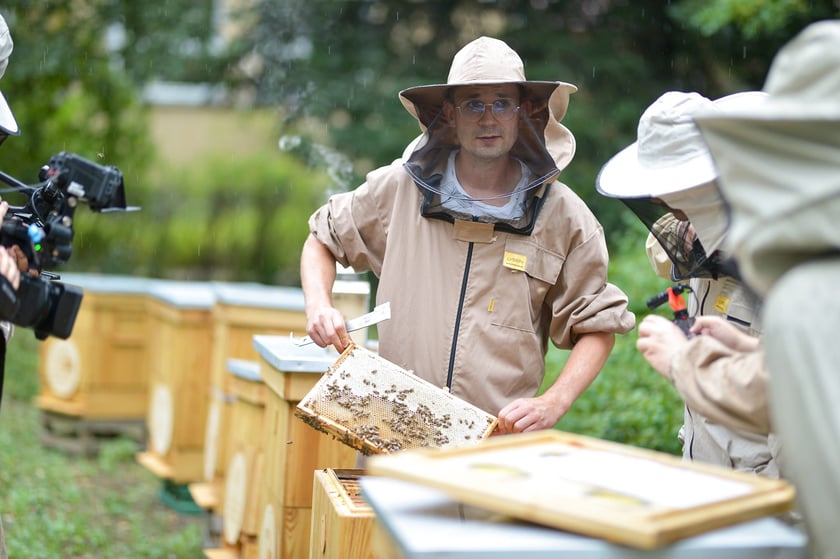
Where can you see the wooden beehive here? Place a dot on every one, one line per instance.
(101, 371)
(240, 502)
(240, 311)
(181, 335)
(293, 451)
(375, 406)
(342, 522)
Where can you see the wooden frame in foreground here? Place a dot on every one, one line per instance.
(623, 494)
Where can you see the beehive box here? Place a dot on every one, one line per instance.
(240, 503)
(293, 451)
(245, 418)
(342, 522)
(242, 310)
(181, 335)
(101, 371)
(376, 407)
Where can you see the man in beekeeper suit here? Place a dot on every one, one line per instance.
(482, 253)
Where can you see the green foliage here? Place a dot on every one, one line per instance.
(335, 67)
(55, 505)
(342, 63)
(59, 505)
(613, 91)
(754, 18)
(21, 373)
(65, 93)
(115, 454)
(242, 218)
(171, 40)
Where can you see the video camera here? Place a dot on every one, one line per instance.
(673, 296)
(43, 229)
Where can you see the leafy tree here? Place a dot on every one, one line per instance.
(334, 68)
(341, 63)
(169, 40)
(65, 94)
(754, 19)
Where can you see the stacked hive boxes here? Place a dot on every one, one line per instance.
(293, 450)
(244, 457)
(342, 522)
(240, 311)
(167, 353)
(96, 381)
(181, 336)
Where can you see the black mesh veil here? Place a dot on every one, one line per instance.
(675, 235)
(427, 164)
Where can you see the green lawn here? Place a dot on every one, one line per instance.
(58, 506)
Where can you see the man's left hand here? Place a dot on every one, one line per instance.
(527, 414)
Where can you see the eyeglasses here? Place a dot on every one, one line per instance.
(502, 109)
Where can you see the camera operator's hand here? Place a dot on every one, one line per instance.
(9, 268)
(9, 276)
(21, 261)
(15, 252)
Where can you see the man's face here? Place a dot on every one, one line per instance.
(490, 135)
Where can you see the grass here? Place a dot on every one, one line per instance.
(56, 505)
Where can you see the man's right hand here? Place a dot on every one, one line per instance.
(325, 325)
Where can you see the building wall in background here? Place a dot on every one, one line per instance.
(188, 134)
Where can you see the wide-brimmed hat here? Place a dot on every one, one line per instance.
(670, 154)
(485, 61)
(8, 125)
(777, 160)
(489, 61)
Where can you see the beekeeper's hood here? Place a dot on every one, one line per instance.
(779, 161)
(669, 170)
(543, 144)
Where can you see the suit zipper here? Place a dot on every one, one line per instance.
(451, 370)
(691, 438)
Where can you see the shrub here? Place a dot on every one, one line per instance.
(238, 219)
